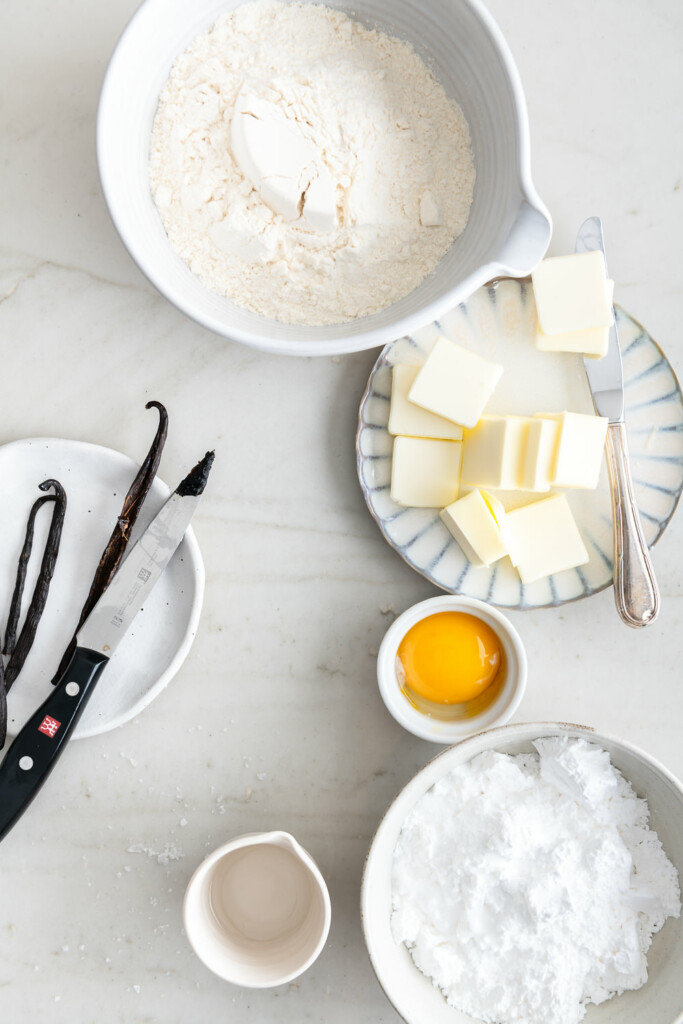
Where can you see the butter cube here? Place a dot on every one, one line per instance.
(494, 452)
(543, 538)
(592, 341)
(409, 419)
(476, 522)
(540, 453)
(425, 473)
(455, 383)
(578, 457)
(571, 293)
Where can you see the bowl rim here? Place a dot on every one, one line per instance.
(435, 730)
(372, 337)
(486, 740)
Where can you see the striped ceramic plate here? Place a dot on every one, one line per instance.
(498, 322)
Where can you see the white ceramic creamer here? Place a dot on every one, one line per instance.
(257, 910)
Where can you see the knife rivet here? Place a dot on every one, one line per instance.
(72, 689)
(26, 763)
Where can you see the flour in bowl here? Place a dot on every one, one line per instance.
(307, 167)
(527, 887)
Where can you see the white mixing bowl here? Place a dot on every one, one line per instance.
(414, 996)
(509, 227)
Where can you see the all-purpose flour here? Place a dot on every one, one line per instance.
(377, 124)
(529, 886)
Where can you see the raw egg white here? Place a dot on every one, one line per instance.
(448, 658)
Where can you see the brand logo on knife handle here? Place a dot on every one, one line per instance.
(49, 726)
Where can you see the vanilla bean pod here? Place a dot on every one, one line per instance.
(42, 587)
(116, 546)
(18, 649)
(15, 605)
(3, 705)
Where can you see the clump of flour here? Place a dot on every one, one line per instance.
(395, 146)
(527, 887)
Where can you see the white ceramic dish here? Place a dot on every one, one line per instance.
(257, 910)
(96, 480)
(509, 227)
(451, 731)
(413, 995)
(498, 322)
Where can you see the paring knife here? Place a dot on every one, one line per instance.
(635, 588)
(35, 750)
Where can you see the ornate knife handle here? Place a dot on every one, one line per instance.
(635, 588)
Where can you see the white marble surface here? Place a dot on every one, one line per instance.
(275, 719)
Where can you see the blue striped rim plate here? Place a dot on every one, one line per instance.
(498, 322)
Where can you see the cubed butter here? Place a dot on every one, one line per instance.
(476, 522)
(592, 341)
(543, 538)
(571, 293)
(580, 445)
(540, 453)
(494, 452)
(409, 419)
(455, 383)
(425, 473)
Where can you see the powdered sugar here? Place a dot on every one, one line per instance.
(396, 147)
(529, 886)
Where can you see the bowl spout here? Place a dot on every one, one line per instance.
(284, 840)
(527, 240)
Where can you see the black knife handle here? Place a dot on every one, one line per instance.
(35, 750)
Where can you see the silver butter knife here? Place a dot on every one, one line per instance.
(635, 588)
(37, 747)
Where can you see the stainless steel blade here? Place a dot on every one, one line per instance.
(111, 617)
(605, 375)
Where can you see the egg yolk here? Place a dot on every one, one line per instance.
(448, 658)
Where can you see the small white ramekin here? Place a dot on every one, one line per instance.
(499, 711)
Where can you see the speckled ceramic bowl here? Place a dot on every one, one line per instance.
(499, 323)
(508, 229)
(413, 995)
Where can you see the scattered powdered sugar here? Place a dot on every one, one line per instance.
(394, 145)
(169, 853)
(529, 886)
